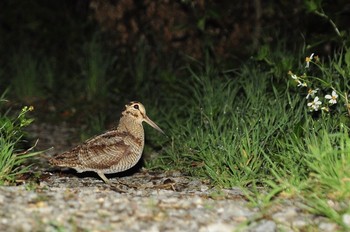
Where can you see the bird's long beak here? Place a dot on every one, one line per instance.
(152, 124)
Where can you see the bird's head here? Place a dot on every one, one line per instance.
(138, 112)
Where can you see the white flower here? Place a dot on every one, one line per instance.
(308, 59)
(332, 98)
(294, 76)
(325, 109)
(311, 93)
(315, 104)
(296, 79)
(301, 84)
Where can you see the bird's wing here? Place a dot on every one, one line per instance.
(107, 137)
(98, 152)
(102, 154)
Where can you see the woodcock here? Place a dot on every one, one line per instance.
(115, 150)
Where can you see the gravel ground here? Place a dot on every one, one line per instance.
(145, 201)
(142, 201)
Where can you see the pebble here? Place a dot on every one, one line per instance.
(264, 226)
(346, 219)
(69, 203)
(217, 227)
(327, 227)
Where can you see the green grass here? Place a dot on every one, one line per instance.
(13, 160)
(252, 128)
(247, 125)
(228, 122)
(26, 79)
(31, 78)
(95, 66)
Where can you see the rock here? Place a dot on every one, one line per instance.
(264, 226)
(346, 219)
(217, 227)
(285, 216)
(327, 227)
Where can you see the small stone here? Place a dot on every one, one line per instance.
(198, 201)
(284, 228)
(176, 173)
(299, 223)
(327, 227)
(204, 188)
(236, 191)
(220, 210)
(285, 216)
(346, 219)
(264, 226)
(152, 229)
(4, 221)
(217, 227)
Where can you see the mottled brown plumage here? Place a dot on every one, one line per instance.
(114, 151)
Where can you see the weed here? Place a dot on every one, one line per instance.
(26, 79)
(56, 226)
(230, 124)
(325, 84)
(11, 160)
(95, 66)
(241, 128)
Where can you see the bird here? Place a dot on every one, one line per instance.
(115, 150)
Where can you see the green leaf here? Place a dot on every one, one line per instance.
(347, 57)
(201, 24)
(313, 5)
(310, 6)
(339, 69)
(264, 51)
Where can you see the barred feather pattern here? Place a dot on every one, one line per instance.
(114, 151)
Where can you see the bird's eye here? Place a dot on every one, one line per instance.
(136, 107)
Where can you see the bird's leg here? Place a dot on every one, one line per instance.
(103, 177)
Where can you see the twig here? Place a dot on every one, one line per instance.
(29, 149)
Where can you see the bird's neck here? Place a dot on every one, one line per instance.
(130, 125)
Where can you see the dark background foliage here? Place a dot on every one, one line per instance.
(145, 44)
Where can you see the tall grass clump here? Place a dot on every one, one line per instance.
(224, 125)
(32, 79)
(95, 66)
(325, 151)
(26, 81)
(255, 127)
(12, 159)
